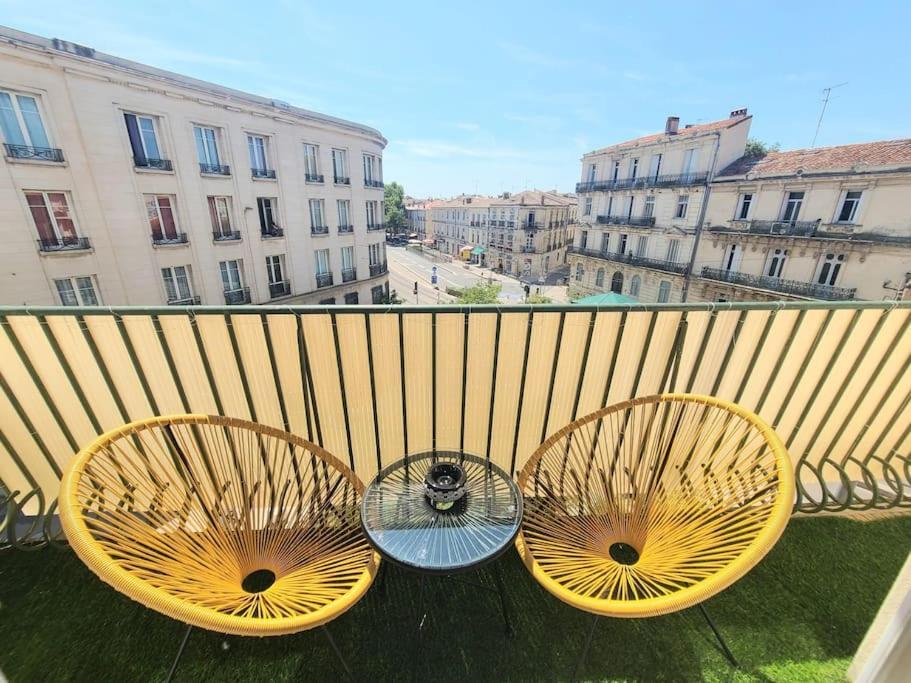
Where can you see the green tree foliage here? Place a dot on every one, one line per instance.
(481, 293)
(539, 299)
(394, 195)
(757, 148)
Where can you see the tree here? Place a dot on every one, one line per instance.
(539, 299)
(394, 195)
(481, 293)
(392, 298)
(757, 148)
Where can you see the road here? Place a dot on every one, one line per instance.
(407, 267)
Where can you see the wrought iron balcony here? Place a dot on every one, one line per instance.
(188, 301)
(163, 240)
(378, 184)
(636, 221)
(323, 280)
(378, 268)
(229, 236)
(345, 228)
(531, 226)
(676, 180)
(313, 177)
(272, 232)
(631, 259)
(319, 229)
(214, 169)
(155, 164)
(277, 289)
(810, 290)
(525, 249)
(64, 244)
(263, 173)
(790, 228)
(349, 274)
(33, 153)
(234, 297)
(342, 180)
(372, 227)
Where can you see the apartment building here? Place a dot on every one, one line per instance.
(127, 184)
(829, 223)
(524, 234)
(419, 217)
(641, 204)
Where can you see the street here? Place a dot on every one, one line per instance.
(407, 267)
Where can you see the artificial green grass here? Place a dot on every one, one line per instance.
(798, 616)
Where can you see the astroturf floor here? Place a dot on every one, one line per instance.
(798, 616)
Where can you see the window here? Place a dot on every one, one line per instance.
(743, 207)
(144, 141)
(599, 277)
(267, 207)
(654, 166)
(372, 214)
(642, 246)
(629, 206)
(344, 211)
(673, 250)
(634, 284)
(377, 294)
(317, 214)
(177, 284)
(376, 253)
(732, 257)
(311, 163)
(777, 258)
(322, 261)
(791, 209)
(621, 248)
(371, 170)
(649, 209)
(232, 275)
(351, 298)
(849, 205)
(348, 263)
(580, 271)
(829, 269)
(162, 220)
(616, 283)
(20, 121)
(615, 174)
(605, 242)
(340, 166)
(77, 291)
(664, 292)
(220, 213)
(610, 205)
(592, 172)
(207, 149)
(683, 201)
(690, 159)
(259, 161)
(327, 302)
(633, 168)
(275, 269)
(583, 239)
(53, 219)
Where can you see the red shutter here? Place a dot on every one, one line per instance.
(167, 218)
(41, 217)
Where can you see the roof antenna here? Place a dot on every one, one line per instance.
(825, 103)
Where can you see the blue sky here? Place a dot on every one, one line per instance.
(503, 96)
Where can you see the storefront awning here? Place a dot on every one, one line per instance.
(478, 250)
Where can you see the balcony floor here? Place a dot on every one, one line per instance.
(799, 616)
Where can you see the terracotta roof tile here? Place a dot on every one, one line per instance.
(682, 134)
(886, 153)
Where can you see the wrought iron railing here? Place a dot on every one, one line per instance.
(374, 183)
(676, 180)
(33, 153)
(272, 232)
(631, 259)
(371, 227)
(155, 164)
(214, 169)
(263, 173)
(188, 301)
(526, 249)
(234, 297)
(345, 228)
(314, 177)
(319, 229)
(349, 274)
(378, 268)
(226, 235)
(323, 280)
(342, 180)
(64, 244)
(789, 228)
(277, 289)
(531, 226)
(637, 221)
(809, 290)
(177, 239)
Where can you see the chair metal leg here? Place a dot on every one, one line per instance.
(422, 615)
(588, 642)
(724, 646)
(183, 645)
(338, 653)
(510, 632)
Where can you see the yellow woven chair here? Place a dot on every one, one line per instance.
(653, 505)
(220, 523)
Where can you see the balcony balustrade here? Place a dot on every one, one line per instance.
(272, 232)
(790, 228)
(266, 173)
(33, 153)
(214, 169)
(319, 229)
(345, 228)
(632, 259)
(342, 180)
(376, 227)
(323, 280)
(528, 249)
(810, 290)
(636, 221)
(176, 240)
(235, 297)
(226, 235)
(378, 268)
(641, 182)
(64, 244)
(188, 301)
(278, 289)
(349, 274)
(314, 178)
(376, 184)
(154, 164)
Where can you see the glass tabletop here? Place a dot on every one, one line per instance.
(402, 524)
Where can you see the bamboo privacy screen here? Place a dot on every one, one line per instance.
(370, 384)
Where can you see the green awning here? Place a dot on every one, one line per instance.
(478, 250)
(605, 299)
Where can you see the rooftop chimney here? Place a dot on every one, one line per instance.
(673, 122)
(739, 113)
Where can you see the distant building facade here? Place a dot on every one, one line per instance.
(125, 184)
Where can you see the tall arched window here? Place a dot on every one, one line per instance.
(664, 292)
(616, 283)
(599, 278)
(634, 285)
(829, 267)
(579, 272)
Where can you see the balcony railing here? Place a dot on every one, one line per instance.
(234, 297)
(170, 240)
(378, 268)
(323, 280)
(810, 290)
(789, 228)
(277, 289)
(531, 226)
(214, 169)
(64, 244)
(223, 236)
(632, 259)
(349, 274)
(345, 228)
(527, 249)
(319, 229)
(33, 153)
(155, 164)
(372, 227)
(637, 221)
(342, 180)
(374, 183)
(272, 233)
(189, 301)
(263, 173)
(313, 177)
(678, 180)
